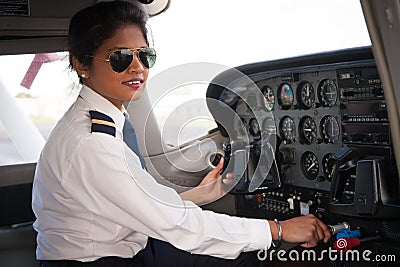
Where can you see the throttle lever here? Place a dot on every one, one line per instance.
(337, 227)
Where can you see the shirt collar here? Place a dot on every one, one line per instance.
(101, 104)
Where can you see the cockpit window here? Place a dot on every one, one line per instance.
(233, 33)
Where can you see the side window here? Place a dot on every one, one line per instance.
(35, 91)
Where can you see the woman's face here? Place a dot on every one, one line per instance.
(124, 86)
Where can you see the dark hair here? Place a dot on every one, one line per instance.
(91, 26)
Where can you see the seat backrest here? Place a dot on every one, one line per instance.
(17, 236)
(17, 246)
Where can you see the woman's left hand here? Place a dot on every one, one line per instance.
(211, 188)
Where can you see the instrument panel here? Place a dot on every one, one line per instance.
(314, 105)
(323, 120)
(302, 108)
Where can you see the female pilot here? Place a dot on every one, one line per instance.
(95, 205)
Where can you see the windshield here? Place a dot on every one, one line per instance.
(233, 32)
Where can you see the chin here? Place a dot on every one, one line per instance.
(136, 95)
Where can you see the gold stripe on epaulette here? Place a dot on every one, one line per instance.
(96, 121)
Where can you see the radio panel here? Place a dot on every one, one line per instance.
(364, 111)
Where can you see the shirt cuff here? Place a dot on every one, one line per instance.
(260, 235)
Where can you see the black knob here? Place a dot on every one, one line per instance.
(146, 2)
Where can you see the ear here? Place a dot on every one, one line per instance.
(80, 69)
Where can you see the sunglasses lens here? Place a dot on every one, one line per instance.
(147, 56)
(121, 59)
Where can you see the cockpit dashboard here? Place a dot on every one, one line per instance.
(325, 121)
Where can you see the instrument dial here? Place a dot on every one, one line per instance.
(269, 98)
(305, 95)
(330, 129)
(327, 93)
(308, 130)
(309, 165)
(254, 128)
(328, 165)
(287, 130)
(285, 96)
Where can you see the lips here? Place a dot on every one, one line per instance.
(134, 83)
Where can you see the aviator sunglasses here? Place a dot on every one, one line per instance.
(121, 59)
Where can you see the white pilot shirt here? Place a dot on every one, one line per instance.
(92, 199)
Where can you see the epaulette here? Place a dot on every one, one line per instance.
(102, 123)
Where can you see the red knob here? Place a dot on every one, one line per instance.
(346, 244)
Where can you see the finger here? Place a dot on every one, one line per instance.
(316, 229)
(228, 180)
(312, 242)
(229, 176)
(315, 236)
(312, 237)
(219, 167)
(319, 232)
(324, 228)
(320, 229)
(306, 245)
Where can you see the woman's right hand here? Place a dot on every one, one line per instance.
(307, 230)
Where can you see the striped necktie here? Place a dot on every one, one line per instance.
(130, 139)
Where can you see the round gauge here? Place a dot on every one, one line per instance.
(309, 165)
(285, 95)
(327, 93)
(328, 165)
(254, 128)
(287, 130)
(308, 130)
(305, 95)
(269, 98)
(330, 129)
(228, 97)
(269, 126)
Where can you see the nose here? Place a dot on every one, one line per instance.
(136, 64)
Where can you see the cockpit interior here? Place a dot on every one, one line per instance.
(310, 134)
